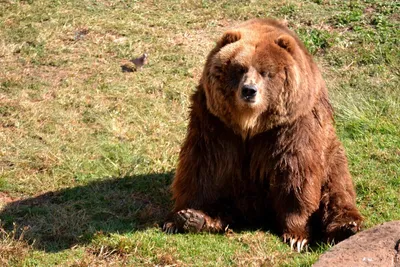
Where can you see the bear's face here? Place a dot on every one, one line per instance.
(254, 78)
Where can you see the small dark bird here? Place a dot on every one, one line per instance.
(140, 61)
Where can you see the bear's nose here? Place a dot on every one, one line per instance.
(249, 92)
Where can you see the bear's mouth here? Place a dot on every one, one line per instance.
(249, 99)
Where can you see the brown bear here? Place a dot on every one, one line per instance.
(261, 145)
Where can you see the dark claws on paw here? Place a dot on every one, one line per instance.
(170, 228)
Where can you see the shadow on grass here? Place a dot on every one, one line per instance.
(61, 219)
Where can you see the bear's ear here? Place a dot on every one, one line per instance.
(287, 42)
(229, 37)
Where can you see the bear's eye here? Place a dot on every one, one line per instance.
(241, 69)
(263, 74)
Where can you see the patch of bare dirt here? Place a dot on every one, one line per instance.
(6, 198)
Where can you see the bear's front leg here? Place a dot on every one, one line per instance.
(295, 203)
(208, 161)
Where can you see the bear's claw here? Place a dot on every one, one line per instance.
(299, 243)
(351, 227)
(170, 228)
(351, 224)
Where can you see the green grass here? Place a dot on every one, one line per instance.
(88, 152)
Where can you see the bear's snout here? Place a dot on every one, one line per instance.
(249, 92)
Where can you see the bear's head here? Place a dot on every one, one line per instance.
(259, 76)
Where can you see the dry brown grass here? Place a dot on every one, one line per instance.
(13, 247)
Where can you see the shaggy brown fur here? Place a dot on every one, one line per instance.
(261, 146)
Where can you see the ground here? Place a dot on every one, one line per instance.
(88, 151)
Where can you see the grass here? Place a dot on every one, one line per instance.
(88, 151)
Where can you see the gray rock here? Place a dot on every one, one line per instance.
(378, 246)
